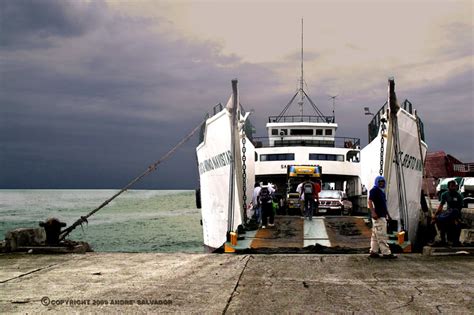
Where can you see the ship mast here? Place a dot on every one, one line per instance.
(319, 115)
(301, 91)
(333, 97)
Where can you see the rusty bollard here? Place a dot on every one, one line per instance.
(52, 227)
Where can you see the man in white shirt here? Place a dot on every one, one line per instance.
(299, 189)
(256, 205)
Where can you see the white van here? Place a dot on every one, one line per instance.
(467, 190)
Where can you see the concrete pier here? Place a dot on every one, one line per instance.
(226, 283)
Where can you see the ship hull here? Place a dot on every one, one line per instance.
(403, 158)
(215, 158)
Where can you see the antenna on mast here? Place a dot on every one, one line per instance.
(301, 80)
(333, 106)
(300, 90)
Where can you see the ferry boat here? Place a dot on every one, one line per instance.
(231, 160)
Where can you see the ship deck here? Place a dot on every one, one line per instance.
(292, 233)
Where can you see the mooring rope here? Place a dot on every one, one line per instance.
(150, 169)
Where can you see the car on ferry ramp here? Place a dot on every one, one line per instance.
(334, 202)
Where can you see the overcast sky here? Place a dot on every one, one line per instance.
(92, 92)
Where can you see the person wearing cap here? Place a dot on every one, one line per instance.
(377, 203)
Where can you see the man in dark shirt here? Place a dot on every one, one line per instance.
(448, 221)
(265, 198)
(309, 192)
(378, 208)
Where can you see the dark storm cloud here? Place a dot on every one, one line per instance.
(448, 127)
(29, 23)
(104, 97)
(445, 106)
(89, 98)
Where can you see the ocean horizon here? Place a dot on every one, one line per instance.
(136, 221)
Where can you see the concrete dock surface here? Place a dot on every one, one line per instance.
(226, 283)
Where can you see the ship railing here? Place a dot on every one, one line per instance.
(299, 118)
(374, 124)
(217, 109)
(249, 128)
(333, 142)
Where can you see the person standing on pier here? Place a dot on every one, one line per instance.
(378, 208)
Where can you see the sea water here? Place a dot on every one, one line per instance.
(136, 221)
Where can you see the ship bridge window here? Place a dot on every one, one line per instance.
(274, 132)
(319, 132)
(301, 132)
(283, 132)
(326, 157)
(328, 132)
(277, 157)
(303, 142)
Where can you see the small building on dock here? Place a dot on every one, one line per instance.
(438, 165)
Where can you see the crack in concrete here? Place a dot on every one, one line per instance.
(331, 298)
(372, 291)
(20, 301)
(374, 286)
(374, 275)
(76, 259)
(28, 273)
(419, 291)
(236, 285)
(412, 298)
(377, 290)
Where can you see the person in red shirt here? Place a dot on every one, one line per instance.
(317, 190)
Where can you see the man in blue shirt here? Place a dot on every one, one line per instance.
(378, 209)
